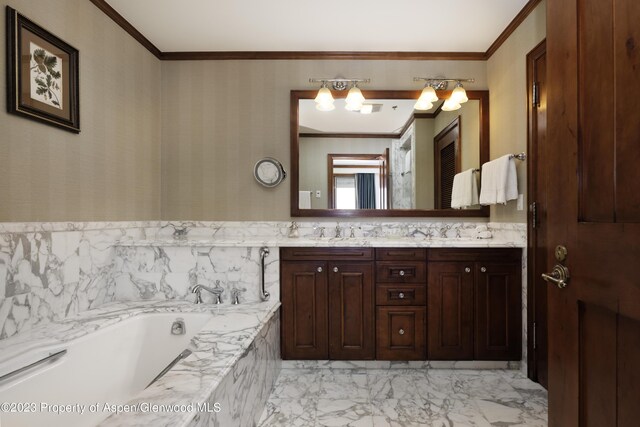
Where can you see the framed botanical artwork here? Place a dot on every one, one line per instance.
(42, 74)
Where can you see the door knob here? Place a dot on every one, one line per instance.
(402, 272)
(319, 269)
(559, 275)
(335, 269)
(401, 295)
(401, 331)
(483, 269)
(467, 270)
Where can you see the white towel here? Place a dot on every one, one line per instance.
(465, 190)
(499, 181)
(507, 180)
(488, 184)
(304, 199)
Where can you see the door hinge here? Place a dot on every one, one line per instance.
(536, 94)
(533, 208)
(535, 336)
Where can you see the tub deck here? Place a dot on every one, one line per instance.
(234, 363)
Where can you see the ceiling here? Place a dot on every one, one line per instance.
(340, 120)
(329, 25)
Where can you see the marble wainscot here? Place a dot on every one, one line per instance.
(49, 271)
(234, 361)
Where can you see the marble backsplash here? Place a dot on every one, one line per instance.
(55, 270)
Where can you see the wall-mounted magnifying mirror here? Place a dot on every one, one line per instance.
(387, 159)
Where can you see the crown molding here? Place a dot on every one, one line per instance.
(315, 55)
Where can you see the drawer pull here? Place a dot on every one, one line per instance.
(401, 331)
(483, 269)
(401, 295)
(402, 272)
(335, 269)
(319, 270)
(467, 270)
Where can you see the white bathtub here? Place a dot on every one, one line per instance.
(109, 366)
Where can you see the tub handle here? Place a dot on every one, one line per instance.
(49, 359)
(264, 295)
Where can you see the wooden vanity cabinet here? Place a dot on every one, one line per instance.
(474, 304)
(401, 285)
(327, 303)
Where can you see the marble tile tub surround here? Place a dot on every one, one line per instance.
(49, 271)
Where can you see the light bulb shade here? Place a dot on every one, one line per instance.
(324, 96)
(354, 99)
(327, 106)
(366, 109)
(423, 105)
(428, 95)
(459, 95)
(450, 105)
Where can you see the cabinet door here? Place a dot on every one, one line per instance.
(450, 310)
(400, 333)
(304, 310)
(498, 322)
(351, 311)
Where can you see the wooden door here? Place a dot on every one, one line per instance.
(537, 221)
(304, 310)
(593, 161)
(450, 310)
(498, 311)
(447, 162)
(351, 311)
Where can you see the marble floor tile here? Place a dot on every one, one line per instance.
(382, 397)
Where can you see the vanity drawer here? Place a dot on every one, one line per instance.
(402, 254)
(401, 271)
(326, 254)
(391, 294)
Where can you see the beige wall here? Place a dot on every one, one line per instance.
(423, 165)
(506, 73)
(214, 119)
(469, 114)
(313, 161)
(111, 170)
(220, 117)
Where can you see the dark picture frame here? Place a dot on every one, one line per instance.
(42, 74)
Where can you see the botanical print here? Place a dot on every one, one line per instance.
(46, 76)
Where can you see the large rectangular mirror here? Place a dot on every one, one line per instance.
(389, 160)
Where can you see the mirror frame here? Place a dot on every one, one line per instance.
(296, 95)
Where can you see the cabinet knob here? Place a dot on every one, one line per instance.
(335, 269)
(401, 331)
(402, 272)
(467, 270)
(483, 269)
(319, 269)
(401, 295)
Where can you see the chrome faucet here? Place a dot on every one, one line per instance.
(293, 230)
(426, 235)
(444, 229)
(217, 292)
(321, 230)
(180, 233)
(338, 230)
(352, 232)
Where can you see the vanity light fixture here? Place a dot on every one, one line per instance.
(324, 99)
(429, 96)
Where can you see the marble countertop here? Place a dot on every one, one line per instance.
(376, 242)
(218, 345)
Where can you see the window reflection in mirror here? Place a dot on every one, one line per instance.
(358, 181)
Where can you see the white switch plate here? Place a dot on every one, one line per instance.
(318, 194)
(520, 206)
